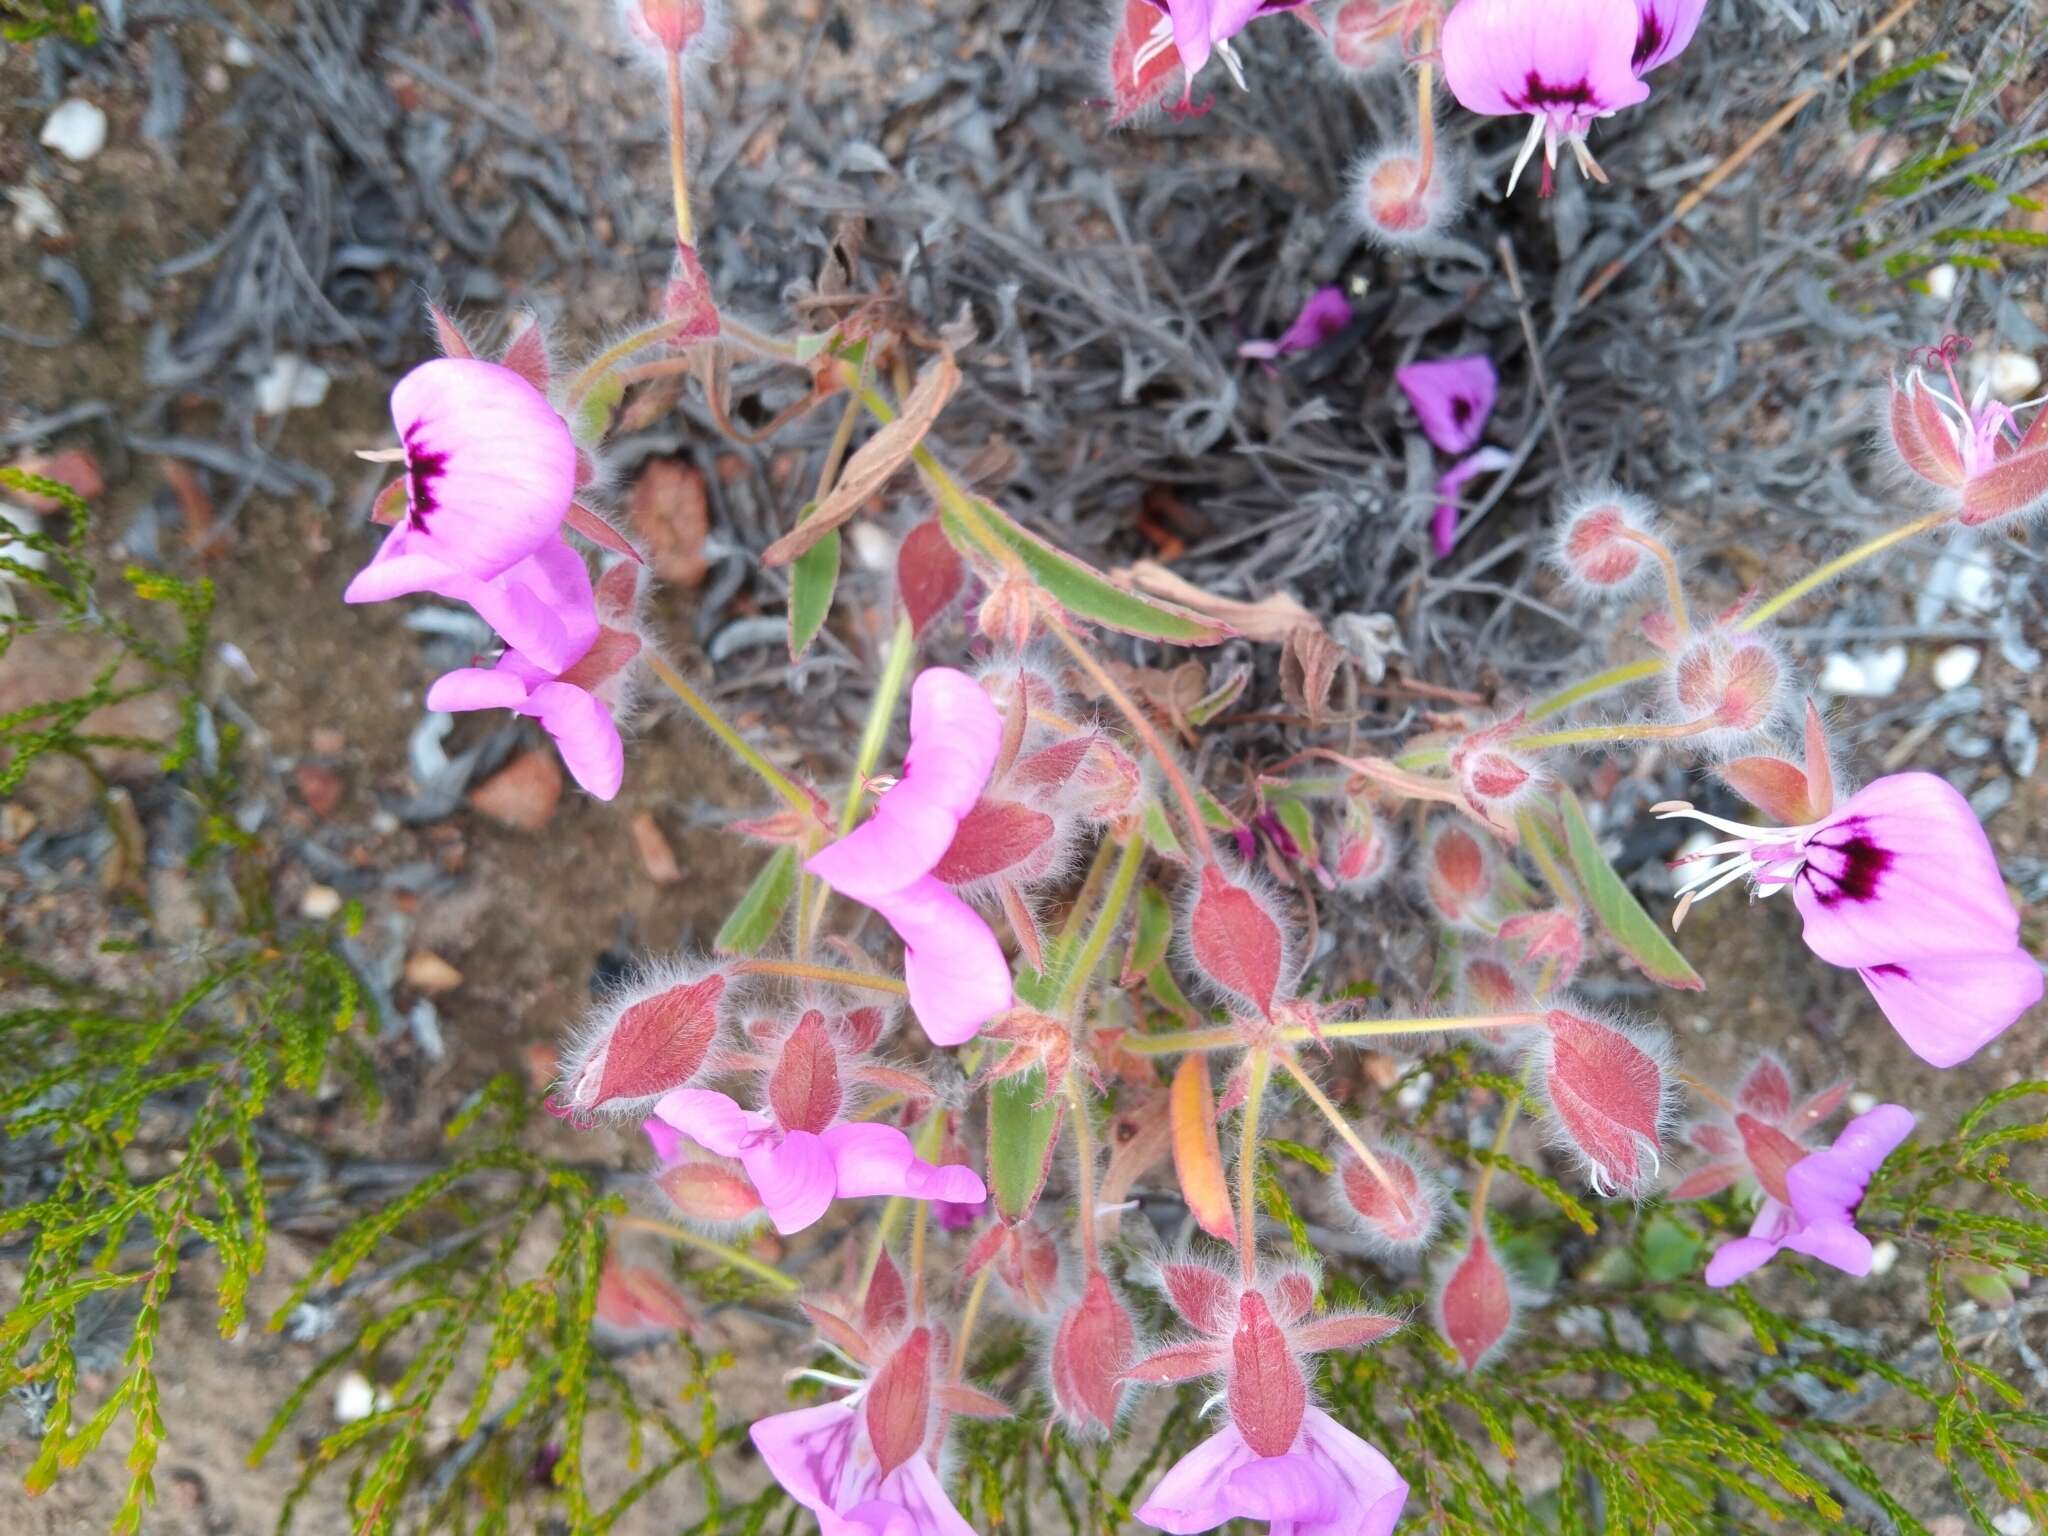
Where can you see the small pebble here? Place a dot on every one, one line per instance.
(657, 857)
(238, 53)
(2014, 376)
(1861, 1103)
(77, 130)
(1864, 674)
(216, 78)
(320, 902)
(34, 214)
(1956, 666)
(355, 1399)
(1415, 1092)
(290, 383)
(1941, 282)
(427, 972)
(2014, 1522)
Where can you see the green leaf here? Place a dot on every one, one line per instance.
(1640, 936)
(813, 576)
(1153, 933)
(1020, 1141)
(594, 411)
(1078, 588)
(754, 920)
(1160, 834)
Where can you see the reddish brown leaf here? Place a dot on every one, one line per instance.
(930, 574)
(1771, 1154)
(660, 1042)
(1266, 1391)
(526, 354)
(841, 1334)
(1091, 1349)
(899, 1402)
(1235, 941)
(1352, 1331)
(1180, 1362)
(1476, 1306)
(887, 1305)
(582, 520)
(997, 837)
(803, 1088)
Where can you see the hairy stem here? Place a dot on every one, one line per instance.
(1822, 575)
(678, 173)
(723, 1252)
(1258, 1067)
(1226, 1038)
(1342, 1126)
(1674, 588)
(734, 742)
(1122, 883)
(1677, 730)
(969, 1315)
(1084, 1172)
(832, 975)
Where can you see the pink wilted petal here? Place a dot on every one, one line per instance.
(1902, 870)
(1193, 1496)
(1092, 1350)
(870, 1159)
(1443, 523)
(1453, 396)
(1235, 941)
(1829, 1185)
(956, 733)
(1265, 1388)
(584, 733)
(1323, 317)
(1947, 1007)
(810, 1452)
(1664, 30)
(1568, 61)
(1476, 1307)
(1609, 1096)
(1374, 1493)
(490, 466)
(952, 963)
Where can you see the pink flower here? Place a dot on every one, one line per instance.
(1563, 62)
(1899, 884)
(1762, 1133)
(1976, 453)
(1329, 1483)
(954, 967)
(800, 1172)
(1453, 399)
(1664, 30)
(1325, 315)
(1823, 1190)
(1196, 28)
(490, 472)
(860, 1464)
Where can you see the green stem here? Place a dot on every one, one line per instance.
(581, 381)
(1084, 1172)
(737, 744)
(1342, 1127)
(1584, 734)
(832, 975)
(929, 1135)
(1827, 573)
(1188, 1041)
(678, 172)
(723, 1252)
(1129, 859)
(1259, 1068)
(1601, 682)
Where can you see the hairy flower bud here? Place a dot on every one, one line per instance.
(711, 1191)
(1489, 986)
(674, 26)
(1475, 1309)
(1552, 936)
(1365, 35)
(1265, 1388)
(1396, 1214)
(1457, 872)
(647, 1039)
(688, 303)
(1143, 75)
(1006, 614)
(1360, 854)
(1609, 1095)
(1026, 1260)
(1093, 1348)
(1391, 202)
(636, 1303)
(1600, 543)
(1493, 775)
(1236, 940)
(1735, 681)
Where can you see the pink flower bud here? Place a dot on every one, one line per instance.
(1001, 839)
(647, 1040)
(1476, 1307)
(1265, 1388)
(1457, 872)
(1142, 75)
(1494, 777)
(1392, 1225)
(1090, 774)
(1389, 204)
(636, 1303)
(1552, 935)
(711, 1191)
(1236, 941)
(803, 1085)
(930, 575)
(886, 1307)
(1736, 681)
(1490, 986)
(1365, 35)
(1092, 1349)
(1599, 545)
(1006, 614)
(1610, 1097)
(688, 303)
(899, 1402)
(1361, 853)
(674, 25)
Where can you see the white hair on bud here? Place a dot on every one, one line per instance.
(1384, 206)
(1655, 1044)
(1580, 566)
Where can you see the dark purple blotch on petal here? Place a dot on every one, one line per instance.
(1538, 93)
(423, 466)
(1889, 969)
(1858, 870)
(1648, 39)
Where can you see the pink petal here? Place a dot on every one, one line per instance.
(491, 468)
(1664, 30)
(1193, 1496)
(469, 688)
(1286, 1488)
(1375, 1492)
(400, 568)
(712, 1120)
(796, 1179)
(872, 1159)
(808, 1451)
(1568, 60)
(1453, 396)
(1946, 1008)
(956, 733)
(952, 962)
(1829, 1185)
(1443, 527)
(1326, 313)
(666, 1140)
(914, 1488)
(584, 733)
(1836, 1243)
(1738, 1257)
(1903, 869)
(542, 607)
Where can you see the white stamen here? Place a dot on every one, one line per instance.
(1231, 62)
(1528, 149)
(1160, 40)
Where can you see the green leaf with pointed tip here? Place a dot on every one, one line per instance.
(1021, 1130)
(1160, 834)
(813, 577)
(1077, 587)
(1153, 933)
(754, 920)
(594, 410)
(1640, 936)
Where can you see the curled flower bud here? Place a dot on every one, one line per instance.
(1610, 1098)
(1475, 1309)
(1236, 939)
(1361, 853)
(1399, 1213)
(1005, 615)
(646, 1040)
(1733, 682)
(1364, 36)
(674, 26)
(636, 1303)
(1494, 776)
(710, 1191)
(1093, 1348)
(1489, 986)
(1552, 935)
(1457, 872)
(1393, 202)
(1603, 541)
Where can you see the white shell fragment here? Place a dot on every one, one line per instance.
(1956, 666)
(77, 130)
(1864, 674)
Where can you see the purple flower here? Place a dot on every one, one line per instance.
(490, 472)
(1453, 399)
(1443, 524)
(1900, 885)
(1664, 30)
(1818, 1217)
(798, 1172)
(1565, 63)
(1196, 28)
(1325, 315)
(954, 967)
(1330, 1483)
(1974, 453)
